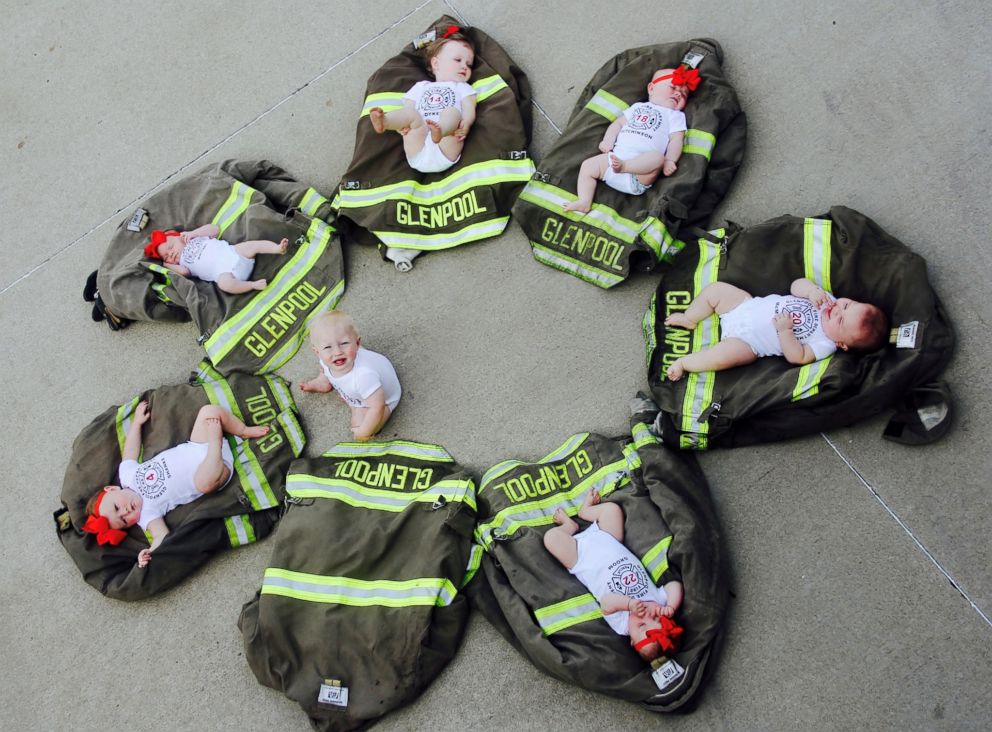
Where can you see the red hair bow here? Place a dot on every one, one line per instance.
(666, 636)
(450, 31)
(688, 78)
(100, 525)
(158, 237)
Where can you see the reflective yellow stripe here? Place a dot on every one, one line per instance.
(642, 435)
(487, 172)
(485, 88)
(311, 486)
(600, 217)
(699, 386)
(655, 560)
(559, 453)
(699, 142)
(816, 267)
(123, 422)
(239, 530)
(474, 562)
(292, 429)
(235, 205)
(648, 323)
(437, 591)
(311, 202)
(400, 448)
(567, 613)
(159, 287)
(808, 381)
(253, 481)
(556, 259)
(437, 241)
(655, 234)
(289, 349)
(607, 105)
(387, 101)
(235, 328)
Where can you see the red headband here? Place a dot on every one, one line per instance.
(99, 525)
(158, 237)
(665, 636)
(450, 31)
(682, 76)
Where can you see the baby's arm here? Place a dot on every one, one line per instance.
(159, 530)
(184, 271)
(811, 291)
(614, 602)
(794, 351)
(468, 118)
(318, 384)
(132, 442)
(610, 137)
(674, 593)
(374, 413)
(673, 152)
(209, 230)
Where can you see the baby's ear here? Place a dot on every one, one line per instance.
(841, 346)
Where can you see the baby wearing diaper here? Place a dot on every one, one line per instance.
(806, 326)
(645, 141)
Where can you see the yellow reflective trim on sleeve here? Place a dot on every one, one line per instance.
(607, 105)
(474, 562)
(699, 142)
(808, 381)
(600, 217)
(437, 241)
(816, 251)
(485, 88)
(655, 234)
(235, 205)
(311, 202)
(643, 436)
(399, 448)
(239, 530)
(655, 560)
(123, 422)
(567, 613)
(559, 453)
(648, 323)
(289, 349)
(437, 591)
(553, 258)
(387, 101)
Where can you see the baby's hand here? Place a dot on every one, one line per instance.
(144, 557)
(637, 607)
(184, 237)
(782, 322)
(605, 147)
(669, 167)
(461, 132)
(819, 297)
(667, 611)
(142, 414)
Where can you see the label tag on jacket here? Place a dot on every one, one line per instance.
(332, 692)
(693, 58)
(667, 674)
(906, 334)
(138, 221)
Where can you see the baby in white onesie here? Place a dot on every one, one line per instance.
(365, 380)
(199, 253)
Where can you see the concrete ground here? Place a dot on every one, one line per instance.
(862, 570)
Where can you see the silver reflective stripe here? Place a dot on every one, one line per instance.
(599, 217)
(346, 591)
(474, 562)
(648, 329)
(607, 105)
(436, 241)
(281, 392)
(235, 205)
(485, 88)
(388, 101)
(816, 251)
(291, 346)
(293, 431)
(239, 531)
(395, 447)
(567, 613)
(574, 267)
(311, 202)
(504, 467)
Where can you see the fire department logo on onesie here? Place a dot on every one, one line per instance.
(628, 578)
(644, 117)
(805, 318)
(151, 481)
(193, 250)
(436, 99)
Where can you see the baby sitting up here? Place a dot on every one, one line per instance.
(174, 477)
(644, 141)
(805, 327)
(365, 380)
(631, 603)
(199, 253)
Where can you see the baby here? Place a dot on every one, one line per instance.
(365, 380)
(645, 141)
(805, 327)
(174, 477)
(437, 115)
(199, 253)
(632, 605)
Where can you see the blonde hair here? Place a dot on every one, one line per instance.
(333, 319)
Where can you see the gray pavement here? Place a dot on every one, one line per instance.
(862, 570)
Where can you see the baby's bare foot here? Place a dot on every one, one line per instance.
(378, 118)
(214, 427)
(254, 431)
(676, 371)
(680, 320)
(435, 130)
(592, 498)
(259, 284)
(579, 206)
(560, 516)
(616, 163)
(283, 246)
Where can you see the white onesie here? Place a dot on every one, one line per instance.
(433, 97)
(166, 481)
(751, 321)
(648, 128)
(604, 565)
(371, 372)
(207, 259)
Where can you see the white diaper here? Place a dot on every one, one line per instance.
(430, 159)
(623, 182)
(242, 268)
(740, 323)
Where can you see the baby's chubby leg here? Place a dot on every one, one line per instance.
(560, 541)
(230, 425)
(716, 297)
(645, 166)
(591, 171)
(724, 355)
(211, 423)
(227, 282)
(250, 249)
(396, 120)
